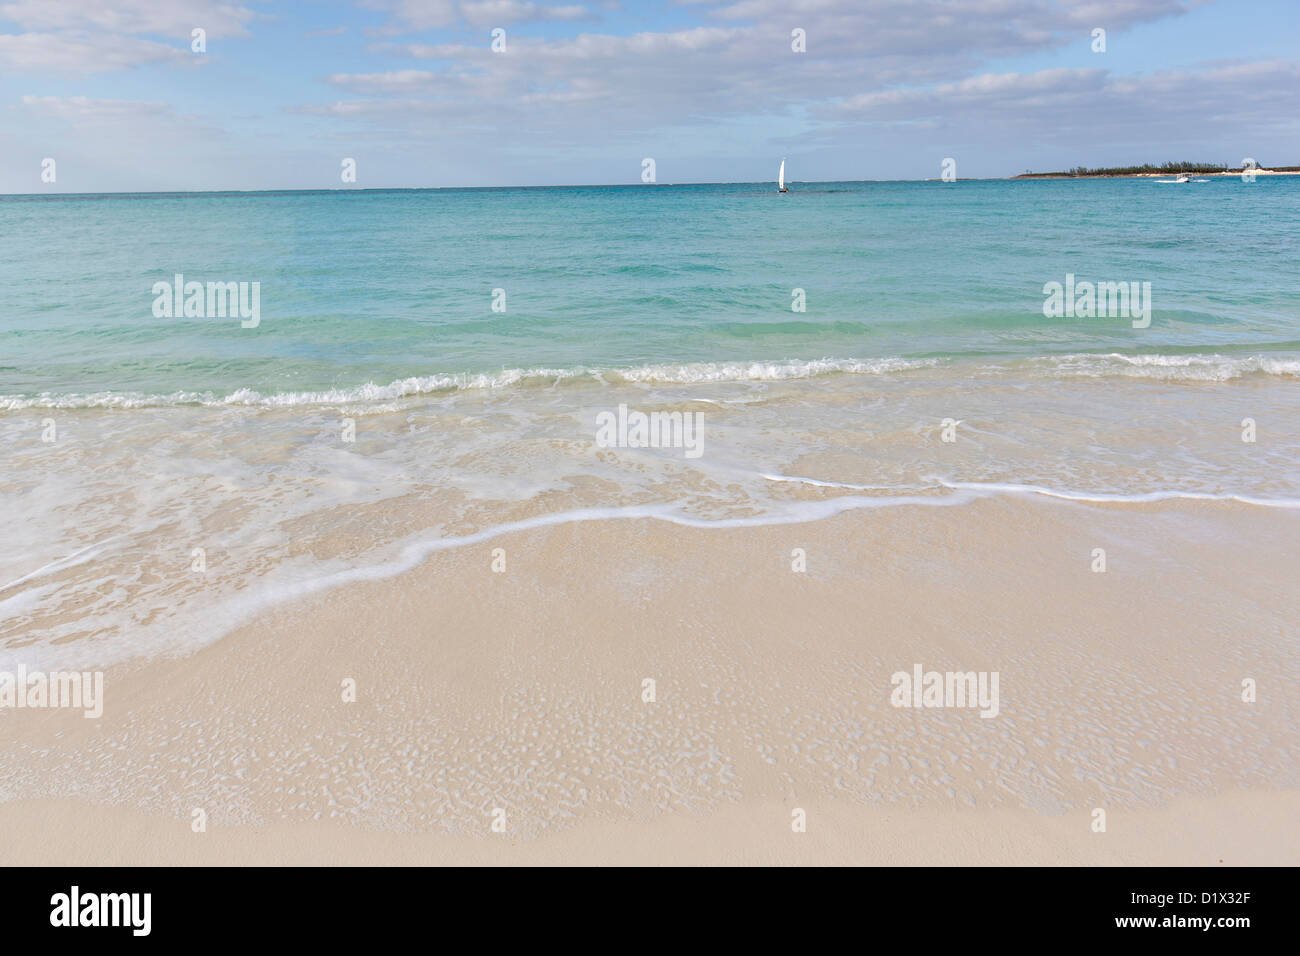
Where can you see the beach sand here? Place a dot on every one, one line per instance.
(523, 691)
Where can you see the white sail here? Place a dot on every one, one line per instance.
(780, 177)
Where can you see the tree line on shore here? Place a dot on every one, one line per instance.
(1170, 168)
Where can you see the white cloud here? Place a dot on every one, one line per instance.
(1087, 113)
(398, 81)
(62, 53)
(506, 12)
(741, 65)
(1069, 95)
(83, 108)
(97, 36)
(416, 15)
(172, 18)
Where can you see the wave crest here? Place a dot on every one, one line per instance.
(663, 374)
(1170, 368)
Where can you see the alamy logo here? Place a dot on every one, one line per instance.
(102, 909)
(216, 300)
(78, 690)
(633, 429)
(1088, 300)
(946, 689)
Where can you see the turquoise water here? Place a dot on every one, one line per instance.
(378, 287)
(380, 411)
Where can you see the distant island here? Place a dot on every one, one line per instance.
(1148, 169)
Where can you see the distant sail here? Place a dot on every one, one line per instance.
(780, 177)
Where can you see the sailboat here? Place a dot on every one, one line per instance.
(780, 179)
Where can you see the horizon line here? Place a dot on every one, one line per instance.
(376, 189)
(1026, 176)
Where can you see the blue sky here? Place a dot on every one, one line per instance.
(412, 90)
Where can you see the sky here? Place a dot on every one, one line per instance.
(583, 91)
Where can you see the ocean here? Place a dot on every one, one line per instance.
(428, 369)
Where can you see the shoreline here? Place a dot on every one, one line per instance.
(278, 504)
